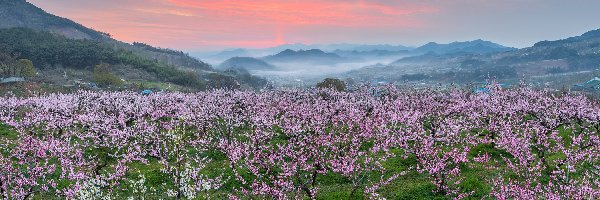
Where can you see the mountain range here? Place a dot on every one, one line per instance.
(354, 52)
(556, 64)
(476, 46)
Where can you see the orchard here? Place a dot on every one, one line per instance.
(372, 143)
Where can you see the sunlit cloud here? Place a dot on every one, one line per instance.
(308, 12)
(166, 12)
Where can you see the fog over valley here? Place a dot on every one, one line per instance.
(456, 63)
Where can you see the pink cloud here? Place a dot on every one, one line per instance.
(195, 24)
(308, 12)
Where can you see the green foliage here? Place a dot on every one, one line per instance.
(170, 57)
(165, 72)
(26, 68)
(217, 80)
(7, 61)
(489, 149)
(159, 50)
(332, 83)
(245, 77)
(562, 52)
(44, 48)
(104, 77)
(10, 66)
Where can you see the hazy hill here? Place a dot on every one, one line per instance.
(247, 63)
(361, 50)
(590, 36)
(475, 46)
(374, 47)
(343, 47)
(371, 53)
(232, 53)
(305, 56)
(571, 54)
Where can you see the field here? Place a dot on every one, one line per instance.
(373, 143)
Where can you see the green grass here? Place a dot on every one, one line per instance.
(7, 132)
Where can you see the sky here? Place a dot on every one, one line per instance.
(203, 25)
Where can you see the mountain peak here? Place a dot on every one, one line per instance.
(311, 55)
(288, 51)
(313, 51)
(247, 63)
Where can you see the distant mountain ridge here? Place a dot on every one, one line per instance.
(577, 56)
(341, 46)
(247, 63)
(312, 55)
(371, 53)
(590, 35)
(366, 51)
(332, 48)
(475, 46)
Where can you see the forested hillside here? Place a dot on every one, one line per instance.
(48, 50)
(58, 45)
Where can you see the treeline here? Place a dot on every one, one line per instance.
(170, 56)
(157, 49)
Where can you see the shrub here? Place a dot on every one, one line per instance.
(332, 83)
(103, 76)
(26, 68)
